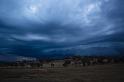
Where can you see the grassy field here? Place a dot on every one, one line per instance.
(98, 73)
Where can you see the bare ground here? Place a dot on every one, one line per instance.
(99, 73)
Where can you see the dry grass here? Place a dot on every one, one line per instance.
(100, 73)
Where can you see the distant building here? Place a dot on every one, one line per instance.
(27, 59)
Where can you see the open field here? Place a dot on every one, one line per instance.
(98, 73)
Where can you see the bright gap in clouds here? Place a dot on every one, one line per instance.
(33, 9)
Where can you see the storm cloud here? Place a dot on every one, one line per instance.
(38, 27)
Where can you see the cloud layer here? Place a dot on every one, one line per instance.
(37, 26)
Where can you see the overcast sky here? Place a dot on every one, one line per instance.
(37, 27)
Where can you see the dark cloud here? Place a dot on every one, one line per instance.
(34, 28)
